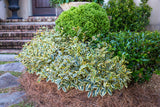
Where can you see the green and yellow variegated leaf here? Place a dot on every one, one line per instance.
(70, 63)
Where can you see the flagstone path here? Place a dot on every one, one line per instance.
(8, 57)
(16, 67)
(7, 80)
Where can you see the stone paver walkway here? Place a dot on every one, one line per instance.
(16, 67)
(8, 57)
(8, 99)
(7, 80)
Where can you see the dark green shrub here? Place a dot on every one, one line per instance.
(157, 71)
(142, 51)
(90, 18)
(72, 64)
(127, 16)
(53, 2)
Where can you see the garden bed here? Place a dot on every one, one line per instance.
(45, 94)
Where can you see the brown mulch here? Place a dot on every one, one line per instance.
(45, 94)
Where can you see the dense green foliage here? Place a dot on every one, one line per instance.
(53, 2)
(142, 51)
(72, 64)
(127, 16)
(90, 18)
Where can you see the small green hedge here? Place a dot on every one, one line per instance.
(127, 16)
(142, 51)
(53, 2)
(89, 20)
(72, 64)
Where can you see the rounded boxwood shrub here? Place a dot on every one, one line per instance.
(90, 18)
(72, 64)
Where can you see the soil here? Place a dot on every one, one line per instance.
(45, 94)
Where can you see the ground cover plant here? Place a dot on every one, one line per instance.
(91, 19)
(70, 63)
(141, 50)
(127, 16)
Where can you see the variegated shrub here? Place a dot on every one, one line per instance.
(70, 63)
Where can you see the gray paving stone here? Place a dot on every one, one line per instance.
(7, 80)
(16, 67)
(8, 57)
(8, 99)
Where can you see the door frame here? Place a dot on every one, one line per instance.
(34, 9)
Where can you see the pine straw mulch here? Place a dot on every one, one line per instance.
(45, 94)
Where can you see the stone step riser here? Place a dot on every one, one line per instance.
(10, 51)
(12, 45)
(16, 36)
(23, 27)
(22, 30)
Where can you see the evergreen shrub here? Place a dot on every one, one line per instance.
(53, 2)
(70, 63)
(141, 50)
(90, 18)
(126, 15)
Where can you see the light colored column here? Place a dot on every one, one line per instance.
(3, 9)
(25, 8)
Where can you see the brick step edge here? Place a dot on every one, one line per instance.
(5, 43)
(11, 47)
(32, 19)
(20, 30)
(13, 41)
(10, 51)
(13, 44)
(17, 38)
(24, 27)
(16, 35)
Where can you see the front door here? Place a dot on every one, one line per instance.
(42, 8)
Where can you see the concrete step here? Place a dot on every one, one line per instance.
(10, 51)
(17, 35)
(12, 44)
